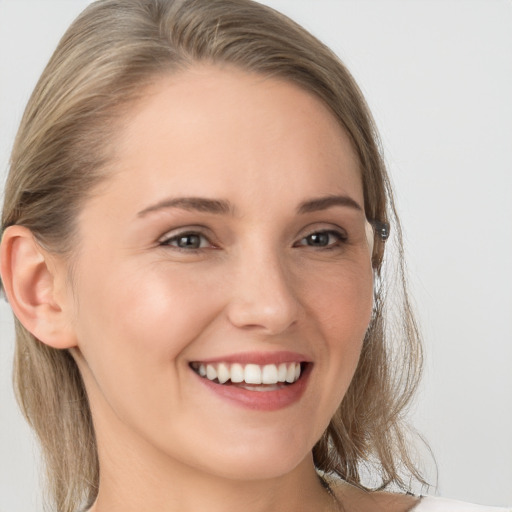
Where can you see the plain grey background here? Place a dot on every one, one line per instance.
(438, 78)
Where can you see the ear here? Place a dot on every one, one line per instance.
(34, 282)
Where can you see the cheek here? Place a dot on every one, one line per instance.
(342, 302)
(343, 306)
(132, 334)
(155, 310)
(133, 326)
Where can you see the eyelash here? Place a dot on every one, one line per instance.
(340, 239)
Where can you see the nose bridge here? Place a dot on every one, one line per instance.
(263, 294)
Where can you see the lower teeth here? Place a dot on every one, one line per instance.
(262, 387)
(254, 387)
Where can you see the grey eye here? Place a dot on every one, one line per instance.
(318, 239)
(190, 241)
(322, 239)
(187, 241)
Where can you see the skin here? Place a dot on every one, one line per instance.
(139, 308)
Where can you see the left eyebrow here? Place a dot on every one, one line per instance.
(324, 203)
(201, 204)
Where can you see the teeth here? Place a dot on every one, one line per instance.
(223, 373)
(254, 374)
(237, 373)
(211, 372)
(269, 374)
(281, 372)
(297, 371)
(290, 373)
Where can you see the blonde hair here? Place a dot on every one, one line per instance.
(112, 51)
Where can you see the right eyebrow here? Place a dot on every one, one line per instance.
(324, 203)
(199, 204)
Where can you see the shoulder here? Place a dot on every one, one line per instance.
(359, 500)
(431, 504)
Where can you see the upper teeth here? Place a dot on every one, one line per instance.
(249, 373)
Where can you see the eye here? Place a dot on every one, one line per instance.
(187, 241)
(323, 239)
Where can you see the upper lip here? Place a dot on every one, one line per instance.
(260, 358)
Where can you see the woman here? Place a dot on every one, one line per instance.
(193, 240)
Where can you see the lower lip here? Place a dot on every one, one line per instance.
(261, 400)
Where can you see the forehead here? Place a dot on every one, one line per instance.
(220, 128)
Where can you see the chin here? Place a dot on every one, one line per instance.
(261, 456)
(258, 468)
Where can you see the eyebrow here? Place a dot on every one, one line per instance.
(223, 207)
(201, 204)
(324, 203)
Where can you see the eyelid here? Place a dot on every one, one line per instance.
(323, 228)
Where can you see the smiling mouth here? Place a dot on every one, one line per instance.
(252, 377)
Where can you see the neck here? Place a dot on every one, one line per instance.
(141, 480)
(190, 491)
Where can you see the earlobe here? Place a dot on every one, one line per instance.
(33, 285)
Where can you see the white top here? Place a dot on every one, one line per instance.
(432, 504)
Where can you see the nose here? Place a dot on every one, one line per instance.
(263, 295)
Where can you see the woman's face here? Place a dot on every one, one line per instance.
(228, 240)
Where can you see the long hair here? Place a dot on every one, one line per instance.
(102, 65)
